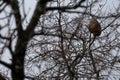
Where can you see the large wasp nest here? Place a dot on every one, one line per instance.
(94, 27)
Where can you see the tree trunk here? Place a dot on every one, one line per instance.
(18, 59)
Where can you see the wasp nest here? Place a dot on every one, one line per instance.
(94, 27)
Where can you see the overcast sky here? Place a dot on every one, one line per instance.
(29, 8)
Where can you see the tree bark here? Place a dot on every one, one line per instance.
(23, 38)
(18, 58)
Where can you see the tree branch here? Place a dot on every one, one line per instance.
(14, 5)
(6, 64)
(64, 8)
(39, 10)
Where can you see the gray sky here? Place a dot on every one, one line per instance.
(29, 8)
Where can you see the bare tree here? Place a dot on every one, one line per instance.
(56, 45)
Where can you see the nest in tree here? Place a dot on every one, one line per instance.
(94, 27)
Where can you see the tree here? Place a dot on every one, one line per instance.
(55, 45)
